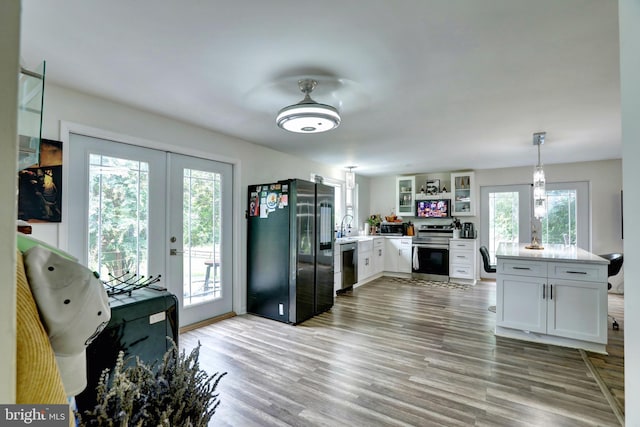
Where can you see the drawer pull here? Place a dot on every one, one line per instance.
(521, 268)
(576, 272)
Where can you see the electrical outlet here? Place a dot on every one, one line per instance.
(281, 309)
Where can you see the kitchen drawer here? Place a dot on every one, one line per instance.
(518, 267)
(461, 257)
(578, 271)
(365, 246)
(461, 271)
(455, 244)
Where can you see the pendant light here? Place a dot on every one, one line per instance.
(350, 178)
(539, 190)
(308, 116)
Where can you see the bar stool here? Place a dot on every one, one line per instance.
(486, 260)
(615, 264)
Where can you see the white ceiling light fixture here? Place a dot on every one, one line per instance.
(307, 116)
(350, 178)
(539, 190)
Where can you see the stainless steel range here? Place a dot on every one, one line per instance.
(431, 252)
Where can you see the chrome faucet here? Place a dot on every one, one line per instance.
(342, 224)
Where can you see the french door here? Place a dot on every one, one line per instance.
(200, 235)
(506, 212)
(138, 213)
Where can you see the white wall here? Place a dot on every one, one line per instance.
(629, 17)
(9, 69)
(252, 163)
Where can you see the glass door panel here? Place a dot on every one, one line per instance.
(504, 226)
(560, 221)
(201, 206)
(118, 216)
(117, 195)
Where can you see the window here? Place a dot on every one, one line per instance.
(346, 201)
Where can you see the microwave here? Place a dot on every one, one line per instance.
(393, 228)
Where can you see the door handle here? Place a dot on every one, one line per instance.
(175, 252)
(550, 291)
(544, 288)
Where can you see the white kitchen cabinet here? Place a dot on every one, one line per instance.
(463, 260)
(397, 254)
(365, 260)
(378, 255)
(557, 299)
(463, 193)
(405, 195)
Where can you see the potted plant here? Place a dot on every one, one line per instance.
(374, 222)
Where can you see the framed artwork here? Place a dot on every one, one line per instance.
(433, 186)
(40, 186)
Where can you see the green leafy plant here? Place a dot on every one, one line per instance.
(175, 392)
(374, 220)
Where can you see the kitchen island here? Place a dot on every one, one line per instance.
(557, 295)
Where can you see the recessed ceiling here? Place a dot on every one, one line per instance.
(421, 85)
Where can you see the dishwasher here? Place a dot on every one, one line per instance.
(349, 264)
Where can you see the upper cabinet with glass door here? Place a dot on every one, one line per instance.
(405, 190)
(463, 193)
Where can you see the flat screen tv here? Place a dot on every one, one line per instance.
(433, 208)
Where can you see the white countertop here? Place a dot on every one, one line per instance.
(350, 239)
(554, 252)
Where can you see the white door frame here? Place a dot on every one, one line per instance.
(238, 271)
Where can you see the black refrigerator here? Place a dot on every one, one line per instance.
(290, 250)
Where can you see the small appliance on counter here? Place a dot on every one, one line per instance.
(393, 228)
(468, 231)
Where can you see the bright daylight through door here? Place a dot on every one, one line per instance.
(507, 215)
(559, 225)
(202, 198)
(503, 220)
(118, 216)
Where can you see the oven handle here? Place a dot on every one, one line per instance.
(430, 246)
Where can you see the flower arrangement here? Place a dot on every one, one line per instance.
(176, 392)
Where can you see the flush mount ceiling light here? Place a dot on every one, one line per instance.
(307, 116)
(539, 191)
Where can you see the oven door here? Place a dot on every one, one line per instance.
(431, 259)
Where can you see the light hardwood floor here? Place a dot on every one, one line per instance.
(394, 354)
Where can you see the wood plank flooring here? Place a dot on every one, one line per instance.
(610, 367)
(395, 354)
